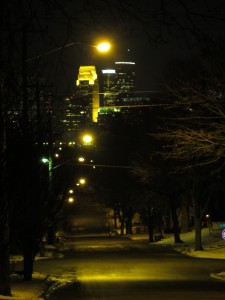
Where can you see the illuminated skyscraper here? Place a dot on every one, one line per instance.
(109, 87)
(125, 77)
(118, 82)
(88, 91)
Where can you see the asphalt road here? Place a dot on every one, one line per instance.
(117, 268)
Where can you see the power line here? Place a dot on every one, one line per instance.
(93, 165)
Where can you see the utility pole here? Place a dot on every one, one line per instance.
(24, 82)
(4, 221)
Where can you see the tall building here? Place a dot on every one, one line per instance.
(73, 116)
(80, 109)
(118, 82)
(109, 90)
(88, 92)
(125, 77)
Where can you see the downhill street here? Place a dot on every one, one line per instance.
(118, 268)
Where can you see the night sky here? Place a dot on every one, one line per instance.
(149, 32)
(186, 28)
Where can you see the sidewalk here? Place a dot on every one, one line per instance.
(213, 244)
(22, 290)
(33, 290)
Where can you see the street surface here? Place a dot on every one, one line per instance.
(118, 268)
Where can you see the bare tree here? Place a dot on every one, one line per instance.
(194, 131)
(197, 125)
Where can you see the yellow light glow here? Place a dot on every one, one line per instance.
(81, 159)
(87, 139)
(119, 276)
(82, 181)
(70, 199)
(71, 191)
(103, 47)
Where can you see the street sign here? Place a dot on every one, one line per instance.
(223, 234)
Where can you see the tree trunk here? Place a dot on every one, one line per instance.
(28, 263)
(150, 224)
(51, 235)
(122, 224)
(4, 254)
(195, 195)
(185, 214)
(197, 222)
(176, 229)
(129, 221)
(150, 232)
(115, 217)
(4, 225)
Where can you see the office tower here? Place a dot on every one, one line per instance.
(80, 109)
(109, 87)
(88, 92)
(125, 77)
(73, 116)
(118, 83)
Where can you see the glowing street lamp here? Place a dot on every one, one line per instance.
(81, 181)
(87, 139)
(81, 159)
(44, 160)
(70, 199)
(49, 162)
(103, 47)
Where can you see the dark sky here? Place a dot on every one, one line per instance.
(153, 31)
(152, 39)
(150, 59)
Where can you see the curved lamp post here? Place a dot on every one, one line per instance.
(101, 47)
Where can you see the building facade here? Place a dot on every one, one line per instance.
(125, 77)
(118, 82)
(87, 90)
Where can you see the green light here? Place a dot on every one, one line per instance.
(45, 160)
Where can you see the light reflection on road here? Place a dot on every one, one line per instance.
(117, 269)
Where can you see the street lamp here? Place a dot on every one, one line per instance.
(87, 139)
(81, 159)
(81, 181)
(44, 160)
(70, 199)
(101, 47)
(50, 167)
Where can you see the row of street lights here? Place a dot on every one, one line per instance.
(81, 182)
(87, 139)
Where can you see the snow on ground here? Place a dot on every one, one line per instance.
(213, 244)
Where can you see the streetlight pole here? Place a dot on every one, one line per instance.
(101, 47)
